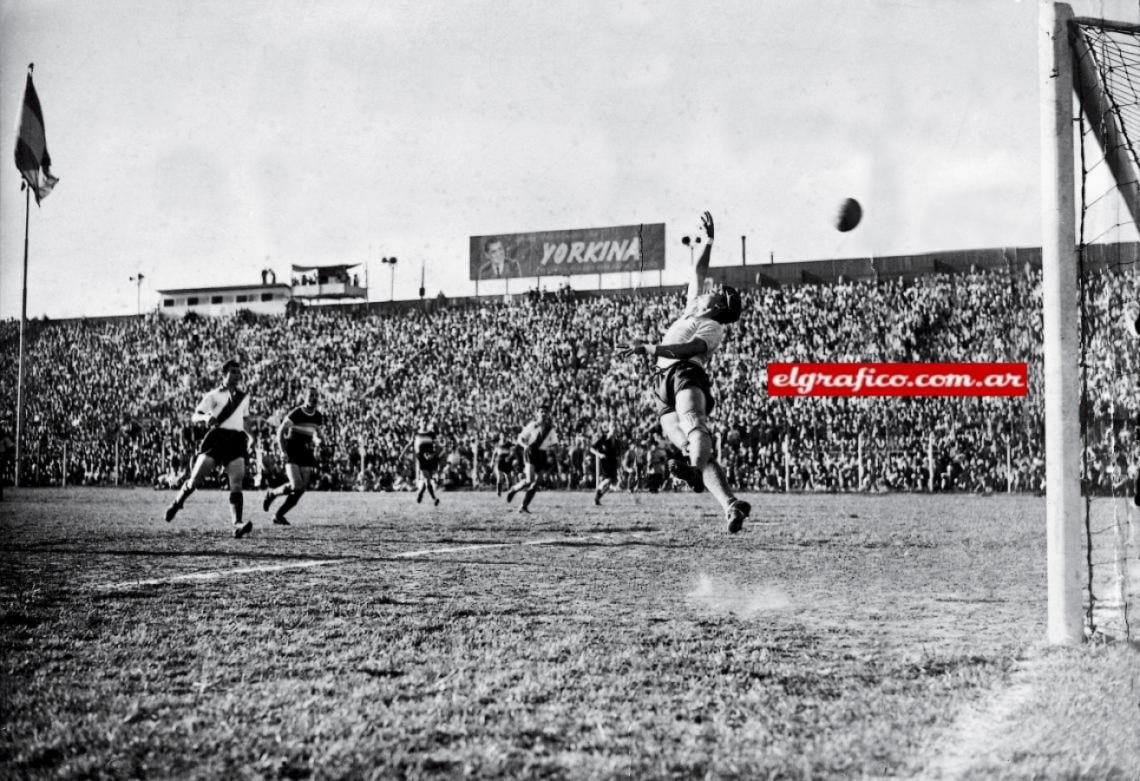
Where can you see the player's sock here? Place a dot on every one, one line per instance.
(179, 500)
(714, 480)
(289, 503)
(515, 489)
(236, 501)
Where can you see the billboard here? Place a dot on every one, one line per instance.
(579, 251)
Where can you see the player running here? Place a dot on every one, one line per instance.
(427, 454)
(226, 411)
(683, 389)
(503, 454)
(605, 450)
(536, 439)
(297, 435)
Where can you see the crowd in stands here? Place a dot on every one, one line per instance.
(110, 401)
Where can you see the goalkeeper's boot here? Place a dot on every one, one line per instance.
(737, 512)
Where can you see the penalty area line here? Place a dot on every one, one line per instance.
(218, 574)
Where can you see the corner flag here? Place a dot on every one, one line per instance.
(32, 158)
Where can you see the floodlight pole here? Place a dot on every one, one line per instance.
(1061, 318)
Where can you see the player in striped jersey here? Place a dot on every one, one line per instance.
(426, 452)
(226, 411)
(536, 439)
(684, 390)
(297, 435)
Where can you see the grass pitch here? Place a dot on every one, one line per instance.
(845, 636)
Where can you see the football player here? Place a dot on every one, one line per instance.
(683, 389)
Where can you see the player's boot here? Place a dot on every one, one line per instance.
(267, 502)
(420, 495)
(737, 512)
(511, 494)
(524, 510)
(597, 498)
(437, 501)
(279, 520)
(172, 511)
(243, 529)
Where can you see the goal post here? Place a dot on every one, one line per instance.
(1061, 338)
(1089, 73)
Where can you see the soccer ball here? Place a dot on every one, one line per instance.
(850, 212)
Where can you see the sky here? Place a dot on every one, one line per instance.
(198, 142)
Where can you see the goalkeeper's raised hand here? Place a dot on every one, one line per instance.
(707, 225)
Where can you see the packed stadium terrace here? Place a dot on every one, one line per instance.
(112, 399)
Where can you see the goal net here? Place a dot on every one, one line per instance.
(1091, 209)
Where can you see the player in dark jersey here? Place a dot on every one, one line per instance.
(503, 454)
(297, 436)
(536, 439)
(426, 452)
(605, 450)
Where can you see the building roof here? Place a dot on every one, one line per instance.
(254, 288)
(334, 267)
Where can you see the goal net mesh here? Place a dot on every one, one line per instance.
(1107, 85)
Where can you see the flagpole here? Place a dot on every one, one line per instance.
(23, 323)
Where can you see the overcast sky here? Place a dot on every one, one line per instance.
(199, 141)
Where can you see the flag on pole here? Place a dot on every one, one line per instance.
(32, 158)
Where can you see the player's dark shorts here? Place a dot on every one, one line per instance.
(223, 445)
(427, 464)
(301, 454)
(536, 457)
(676, 378)
(608, 468)
(503, 464)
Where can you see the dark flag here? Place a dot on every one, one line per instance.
(32, 158)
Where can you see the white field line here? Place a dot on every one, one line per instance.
(978, 732)
(218, 574)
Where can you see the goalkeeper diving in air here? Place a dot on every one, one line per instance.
(683, 389)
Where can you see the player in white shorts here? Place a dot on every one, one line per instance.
(683, 389)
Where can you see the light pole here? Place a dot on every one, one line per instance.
(138, 280)
(391, 263)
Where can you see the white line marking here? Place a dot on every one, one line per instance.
(218, 574)
(221, 573)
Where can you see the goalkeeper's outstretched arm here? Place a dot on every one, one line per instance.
(701, 269)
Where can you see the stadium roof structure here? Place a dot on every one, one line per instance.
(278, 286)
(333, 267)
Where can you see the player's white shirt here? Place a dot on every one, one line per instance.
(688, 327)
(213, 402)
(530, 433)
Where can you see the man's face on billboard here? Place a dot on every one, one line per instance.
(497, 255)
